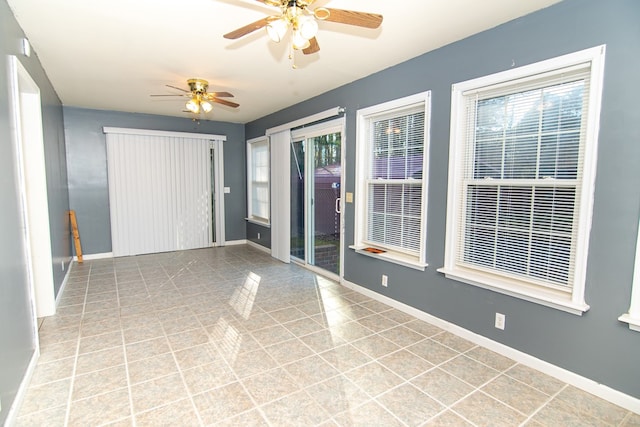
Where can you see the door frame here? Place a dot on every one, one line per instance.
(28, 139)
(303, 134)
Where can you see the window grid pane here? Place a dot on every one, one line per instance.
(521, 188)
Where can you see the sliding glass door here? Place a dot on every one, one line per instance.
(316, 185)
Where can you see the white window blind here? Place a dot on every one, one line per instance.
(394, 181)
(391, 169)
(521, 176)
(258, 171)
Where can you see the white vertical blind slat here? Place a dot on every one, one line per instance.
(160, 192)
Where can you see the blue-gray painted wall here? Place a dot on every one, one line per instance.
(16, 325)
(87, 164)
(595, 345)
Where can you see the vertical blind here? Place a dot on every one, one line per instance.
(159, 193)
(523, 175)
(259, 176)
(394, 182)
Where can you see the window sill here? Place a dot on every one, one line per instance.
(259, 222)
(634, 322)
(549, 298)
(394, 257)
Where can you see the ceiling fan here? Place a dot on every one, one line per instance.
(199, 99)
(303, 21)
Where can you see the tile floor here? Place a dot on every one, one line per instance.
(232, 337)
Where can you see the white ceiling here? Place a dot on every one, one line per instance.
(113, 54)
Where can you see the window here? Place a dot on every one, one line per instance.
(258, 180)
(633, 316)
(521, 178)
(392, 173)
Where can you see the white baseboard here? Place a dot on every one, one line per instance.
(235, 242)
(64, 283)
(614, 396)
(258, 246)
(89, 257)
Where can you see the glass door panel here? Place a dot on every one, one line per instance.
(298, 182)
(324, 213)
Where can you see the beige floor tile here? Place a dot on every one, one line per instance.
(180, 413)
(516, 394)
(196, 356)
(373, 378)
(337, 394)
(294, 410)
(482, 410)
(54, 417)
(288, 351)
(323, 341)
(298, 349)
(100, 342)
(453, 341)
(101, 409)
(152, 368)
(158, 392)
(369, 414)
(470, 371)
(145, 349)
(99, 382)
(558, 413)
(448, 419)
(269, 386)
(406, 364)
(248, 419)
(402, 336)
(432, 351)
(251, 363)
(221, 403)
(592, 405)
(535, 379)
(100, 360)
(409, 404)
(442, 386)
(46, 396)
(375, 346)
(53, 371)
(310, 370)
(377, 323)
(345, 357)
(490, 358)
(206, 377)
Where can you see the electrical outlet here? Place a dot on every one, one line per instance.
(258, 236)
(62, 265)
(501, 320)
(385, 280)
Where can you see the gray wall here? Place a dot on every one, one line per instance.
(87, 164)
(595, 345)
(16, 324)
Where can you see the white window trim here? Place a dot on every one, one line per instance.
(250, 217)
(362, 153)
(573, 302)
(632, 317)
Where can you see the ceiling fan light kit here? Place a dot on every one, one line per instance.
(199, 99)
(303, 21)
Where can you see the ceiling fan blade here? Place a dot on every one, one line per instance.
(271, 2)
(225, 102)
(178, 88)
(219, 95)
(168, 95)
(312, 48)
(247, 29)
(351, 17)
